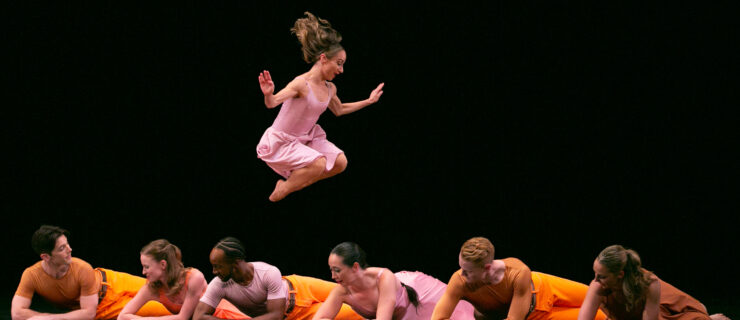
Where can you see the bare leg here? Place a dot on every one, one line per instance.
(339, 165)
(306, 176)
(299, 179)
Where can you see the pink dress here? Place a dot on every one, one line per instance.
(295, 140)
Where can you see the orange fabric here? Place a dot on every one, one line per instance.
(674, 305)
(555, 298)
(121, 287)
(493, 301)
(65, 293)
(558, 298)
(226, 310)
(677, 305)
(309, 294)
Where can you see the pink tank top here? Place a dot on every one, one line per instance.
(402, 303)
(298, 115)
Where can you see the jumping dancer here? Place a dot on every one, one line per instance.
(295, 146)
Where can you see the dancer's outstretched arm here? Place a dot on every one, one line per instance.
(591, 303)
(652, 302)
(268, 87)
(330, 308)
(338, 108)
(20, 309)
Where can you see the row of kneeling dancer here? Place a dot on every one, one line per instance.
(483, 288)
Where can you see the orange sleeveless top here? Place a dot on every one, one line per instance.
(175, 307)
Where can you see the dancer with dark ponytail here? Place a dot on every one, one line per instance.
(377, 293)
(295, 146)
(624, 290)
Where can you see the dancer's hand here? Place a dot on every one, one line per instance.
(266, 84)
(375, 95)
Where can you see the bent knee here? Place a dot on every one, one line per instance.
(319, 164)
(340, 164)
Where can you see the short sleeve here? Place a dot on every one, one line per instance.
(26, 287)
(274, 284)
(214, 293)
(88, 283)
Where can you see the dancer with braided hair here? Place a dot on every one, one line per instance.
(259, 290)
(624, 290)
(295, 146)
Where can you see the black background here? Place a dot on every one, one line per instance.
(553, 129)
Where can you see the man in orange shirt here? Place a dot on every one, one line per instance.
(72, 284)
(507, 289)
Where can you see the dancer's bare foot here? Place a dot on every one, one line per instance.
(719, 316)
(279, 193)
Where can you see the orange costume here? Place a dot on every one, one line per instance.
(115, 289)
(674, 305)
(309, 294)
(547, 296)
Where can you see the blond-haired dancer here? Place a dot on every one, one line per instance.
(506, 288)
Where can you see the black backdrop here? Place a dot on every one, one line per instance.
(553, 129)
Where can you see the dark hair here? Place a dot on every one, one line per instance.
(232, 247)
(351, 253)
(45, 238)
(413, 296)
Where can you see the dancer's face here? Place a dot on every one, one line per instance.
(331, 67)
(62, 253)
(473, 273)
(341, 273)
(607, 280)
(222, 267)
(152, 269)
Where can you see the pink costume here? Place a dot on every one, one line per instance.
(295, 140)
(251, 299)
(428, 290)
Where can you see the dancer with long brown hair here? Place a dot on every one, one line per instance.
(623, 289)
(168, 281)
(295, 146)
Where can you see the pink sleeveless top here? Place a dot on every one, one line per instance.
(402, 302)
(298, 115)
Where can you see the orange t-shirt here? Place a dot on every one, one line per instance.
(492, 300)
(80, 280)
